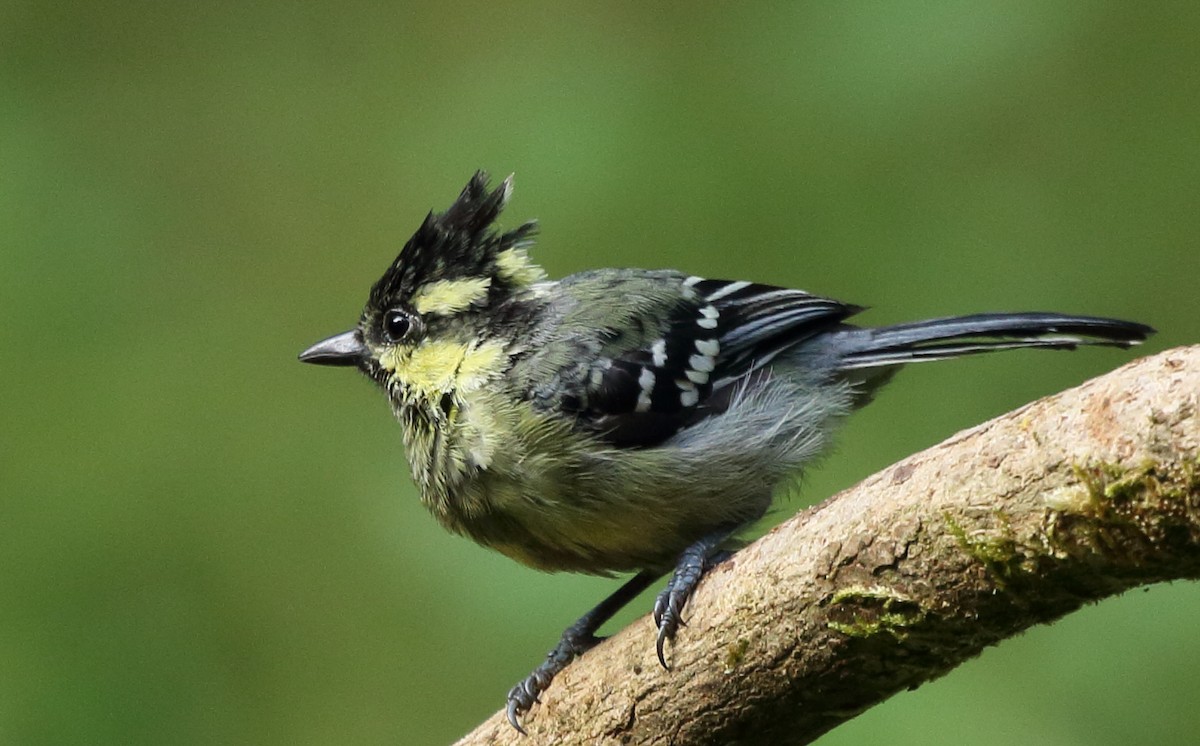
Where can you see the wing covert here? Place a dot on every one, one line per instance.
(717, 333)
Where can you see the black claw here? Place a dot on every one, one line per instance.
(662, 639)
(524, 696)
(513, 708)
(668, 610)
(668, 606)
(513, 720)
(668, 616)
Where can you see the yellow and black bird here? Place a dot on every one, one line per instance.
(623, 420)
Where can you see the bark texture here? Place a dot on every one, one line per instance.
(893, 582)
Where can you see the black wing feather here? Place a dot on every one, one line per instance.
(719, 333)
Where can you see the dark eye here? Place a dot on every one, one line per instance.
(396, 324)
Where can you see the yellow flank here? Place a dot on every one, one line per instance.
(434, 368)
(448, 297)
(515, 266)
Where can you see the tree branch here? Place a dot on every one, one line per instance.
(1016, 522)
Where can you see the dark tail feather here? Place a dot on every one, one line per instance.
(938, 339)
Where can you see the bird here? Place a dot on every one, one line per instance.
(624, 420)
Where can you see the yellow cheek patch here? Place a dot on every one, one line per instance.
(434, 368)
(448, 297)
(428, 367)
(481, 363)
(515, 266)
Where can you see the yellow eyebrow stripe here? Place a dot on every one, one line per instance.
(448, 297)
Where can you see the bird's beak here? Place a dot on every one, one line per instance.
(342, 349)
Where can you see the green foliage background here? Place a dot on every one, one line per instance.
(202, 541)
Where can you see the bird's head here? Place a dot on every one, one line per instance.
(429, 325)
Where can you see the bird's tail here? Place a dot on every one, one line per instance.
(938, 339)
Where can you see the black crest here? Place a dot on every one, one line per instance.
(461, 242)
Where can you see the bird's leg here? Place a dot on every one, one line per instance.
(576, 640)
(696, 560)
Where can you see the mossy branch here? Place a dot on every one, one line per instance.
(893, 582)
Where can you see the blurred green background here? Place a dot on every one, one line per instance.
(202, 541)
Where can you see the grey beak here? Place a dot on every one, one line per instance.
(342, 349)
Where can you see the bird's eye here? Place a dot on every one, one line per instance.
(396, 324)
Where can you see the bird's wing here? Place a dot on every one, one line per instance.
(641, 390)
